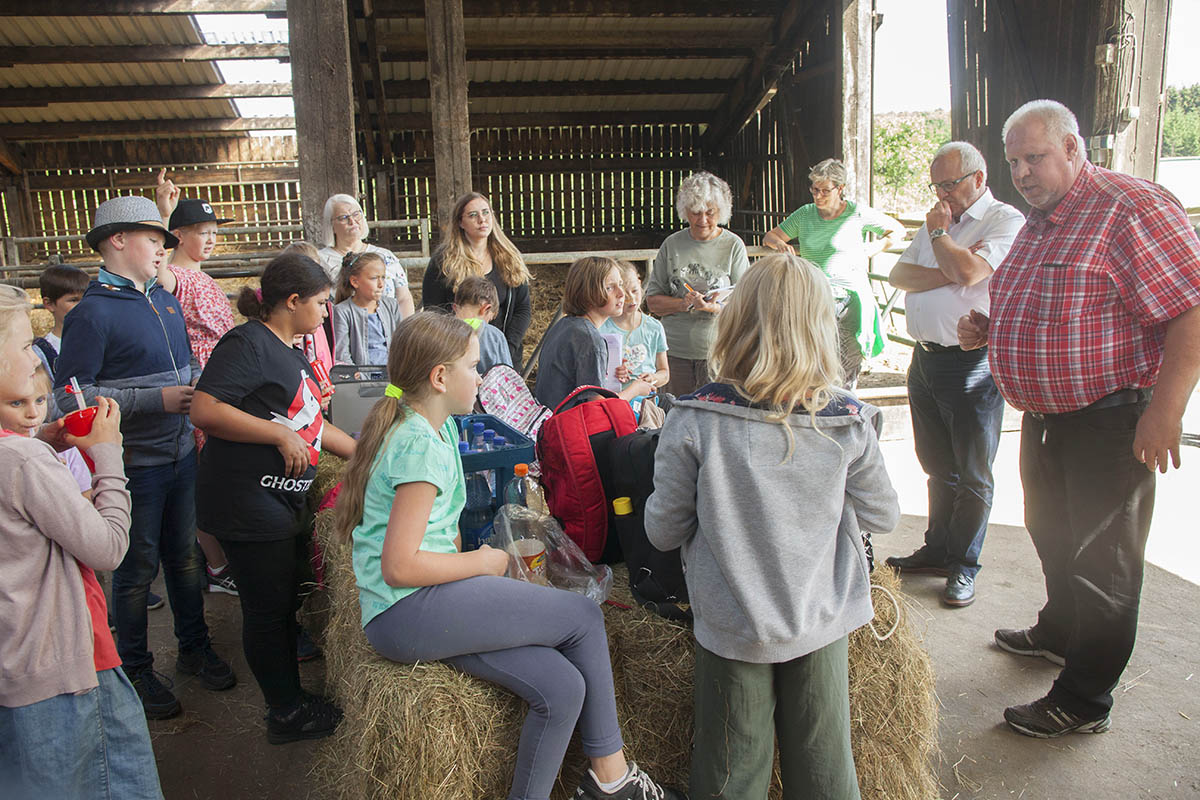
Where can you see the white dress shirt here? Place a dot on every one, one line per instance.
(932, 316)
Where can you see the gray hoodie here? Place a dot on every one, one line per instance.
(772, 543)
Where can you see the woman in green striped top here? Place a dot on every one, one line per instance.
(829, 232)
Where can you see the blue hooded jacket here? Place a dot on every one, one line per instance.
(127, 345)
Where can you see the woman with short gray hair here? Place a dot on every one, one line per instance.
(692, 267)
(829, 232)
(344, 230)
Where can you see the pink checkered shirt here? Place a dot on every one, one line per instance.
(1080, 305)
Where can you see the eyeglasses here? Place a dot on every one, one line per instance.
(948, 186)
(345, 218)
(824, 192)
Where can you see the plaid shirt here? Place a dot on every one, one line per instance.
(1080, 305)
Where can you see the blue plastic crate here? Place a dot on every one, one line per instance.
(518, 450)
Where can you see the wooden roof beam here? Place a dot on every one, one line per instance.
(586, 8)
(121, 8)
(486, 53)
(410, 90)
(423, 121)
(10, 158)
(715, 38)
(93, 129)
(763, 72)
(39, 96)
(137, 54)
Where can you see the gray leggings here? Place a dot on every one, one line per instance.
(547, 646)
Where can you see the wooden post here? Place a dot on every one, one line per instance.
(857, 36)
(383, 206)
(324, 100)
(448, 102)
(1127, 96)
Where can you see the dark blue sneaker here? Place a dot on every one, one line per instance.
(154, 601)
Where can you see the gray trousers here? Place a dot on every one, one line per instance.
(740, 710)
(547, 646)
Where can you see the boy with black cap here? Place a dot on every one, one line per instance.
(126, 339)
(206, 312)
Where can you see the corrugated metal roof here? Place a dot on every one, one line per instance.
(90, 112)
(140, 29)
(580, 70)
(505, 105)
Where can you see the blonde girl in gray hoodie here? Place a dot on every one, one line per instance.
(767, 478)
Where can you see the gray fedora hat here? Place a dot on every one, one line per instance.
(125, 213)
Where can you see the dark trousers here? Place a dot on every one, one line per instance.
(687, 375)
(742, 707)
(1088, 504)
(270, 577)
(162, 528)
(956, 415)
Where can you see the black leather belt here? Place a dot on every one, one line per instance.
(934, 347)
(1121, 397)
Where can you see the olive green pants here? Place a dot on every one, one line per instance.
(740, 710)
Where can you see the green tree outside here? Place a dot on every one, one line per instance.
(904, 146)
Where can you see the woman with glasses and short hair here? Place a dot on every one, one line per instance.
(344, 230)
(692, 273)
(829, 232)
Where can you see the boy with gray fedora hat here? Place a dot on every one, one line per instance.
(126, 340)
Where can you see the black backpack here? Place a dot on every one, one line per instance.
(655, 578)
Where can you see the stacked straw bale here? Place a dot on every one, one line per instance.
(428, 731)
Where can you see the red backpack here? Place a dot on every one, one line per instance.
(570, 444)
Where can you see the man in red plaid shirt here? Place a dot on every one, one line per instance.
(1095, 334)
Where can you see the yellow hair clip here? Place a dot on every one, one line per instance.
(393, 390)
(474, 322)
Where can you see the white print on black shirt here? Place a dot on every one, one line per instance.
(303, 417)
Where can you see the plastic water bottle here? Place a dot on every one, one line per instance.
(464, 448)
(524, 490)
(499, 443)
(489, 439)
(475, 522)
(477, 437)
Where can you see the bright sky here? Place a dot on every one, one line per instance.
(912, 61)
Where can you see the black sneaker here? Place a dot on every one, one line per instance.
(157, 699)
(1043, 719)
(1022, 643)
(154, 601)
(214, 673)
(919, 563)
(311, 718)
(636, 786)
(221, 581)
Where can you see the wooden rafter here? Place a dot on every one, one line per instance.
(133, 54)
(587, 8)
(664, 50)
(763, 72)
(408, 90)
(420, 121)
(10, 158)
(715, 38)
(37, 96)
(120, 8)
(23, 131)
(379, 87)
(362, 109)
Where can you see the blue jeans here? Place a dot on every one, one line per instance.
(956, 415)
(162, 528)
(547, 646)
(89, 745)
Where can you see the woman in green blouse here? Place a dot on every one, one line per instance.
(829, 232)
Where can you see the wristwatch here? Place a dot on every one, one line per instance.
(936, 233)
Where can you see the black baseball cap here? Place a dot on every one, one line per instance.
(191, 212)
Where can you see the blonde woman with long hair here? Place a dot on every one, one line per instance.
(478, 246)
(766, 478)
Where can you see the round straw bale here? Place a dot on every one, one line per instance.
(429, 731)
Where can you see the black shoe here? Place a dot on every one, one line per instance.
(919, 563)
(154, 601)
(636, 786)
(157, 699)
(214, 673)
(311, 718)
(306, 648)
(959, 591)
(1043, 719)
(1022, 643)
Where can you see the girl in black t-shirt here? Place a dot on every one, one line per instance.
(259, 402)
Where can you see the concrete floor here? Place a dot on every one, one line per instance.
(217, 748)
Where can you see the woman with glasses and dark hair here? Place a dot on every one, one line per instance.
(344, 230)
(829, 232)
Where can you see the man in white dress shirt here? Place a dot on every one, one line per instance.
(955, 405)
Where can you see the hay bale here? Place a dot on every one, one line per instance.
(428, 731)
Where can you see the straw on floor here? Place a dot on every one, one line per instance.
(428, 731)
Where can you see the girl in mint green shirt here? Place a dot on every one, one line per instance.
(424, 600)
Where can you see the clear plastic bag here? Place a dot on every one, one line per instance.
(562, 565)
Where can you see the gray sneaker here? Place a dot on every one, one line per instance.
(1043, 719)
(1022, 643)
(637, 785)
